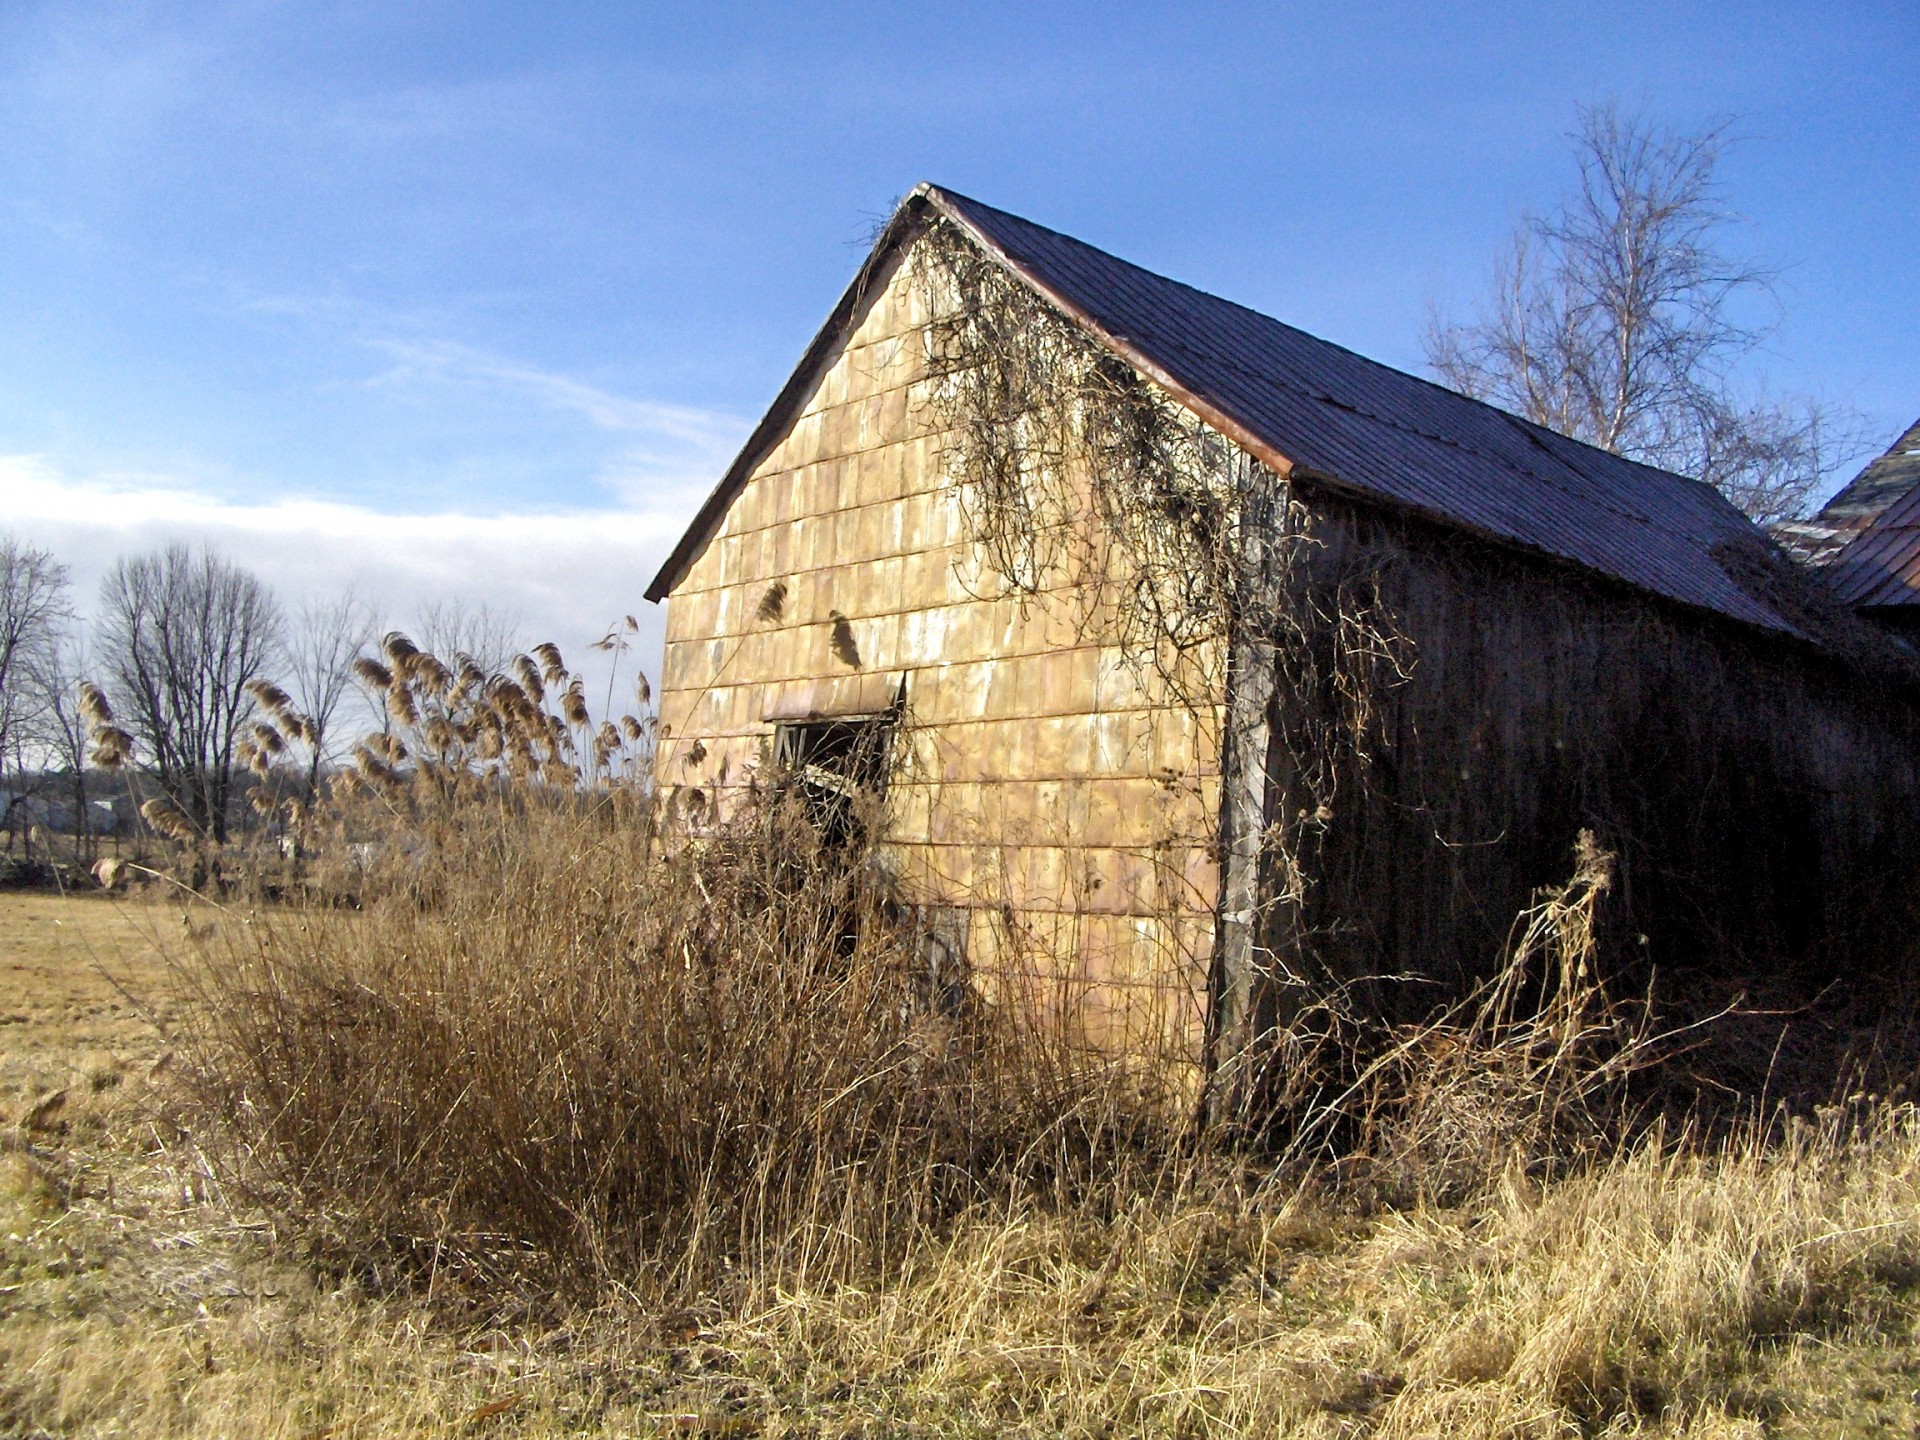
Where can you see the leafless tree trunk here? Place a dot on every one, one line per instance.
(321, 646)
(181, 635)
(64, 732)
(1615, 320)
(34, 614)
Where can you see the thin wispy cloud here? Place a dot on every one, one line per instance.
(444, 362)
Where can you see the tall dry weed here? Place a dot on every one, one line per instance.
(507, 1035)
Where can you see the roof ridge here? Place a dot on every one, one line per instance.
(928, 187)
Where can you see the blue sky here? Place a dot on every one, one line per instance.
(477, 299)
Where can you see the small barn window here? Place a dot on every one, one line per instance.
(836, 764)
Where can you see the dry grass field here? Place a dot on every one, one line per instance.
(1757, 1291)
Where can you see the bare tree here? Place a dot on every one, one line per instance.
(322, 643)
(34, 613)
(63, 731)
(448, 628)
(182, 633)
(1617, 319)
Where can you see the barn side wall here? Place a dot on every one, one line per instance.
(1050, 787)
(1762, 798)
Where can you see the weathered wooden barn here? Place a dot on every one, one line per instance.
(1214, 662)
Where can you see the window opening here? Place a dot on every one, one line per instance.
(839, 767)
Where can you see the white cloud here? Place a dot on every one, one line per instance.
(566, 574)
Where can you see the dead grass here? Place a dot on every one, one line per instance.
(1757, 1289)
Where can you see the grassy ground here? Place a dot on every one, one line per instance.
(1760, 1292)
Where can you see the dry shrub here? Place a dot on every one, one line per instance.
(557, 1050)
(1530, 1071)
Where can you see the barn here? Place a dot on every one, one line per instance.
(1215, 664)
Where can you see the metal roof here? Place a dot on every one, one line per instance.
(1322, 414)
(1880, 510)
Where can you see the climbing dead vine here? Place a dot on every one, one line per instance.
(1080, 476)
(1045, 430)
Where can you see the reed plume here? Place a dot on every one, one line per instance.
(773, 604)
(94, 708)
(530, 682)
(164, 819)
(112, 746)
(371, 673)
(400, 703)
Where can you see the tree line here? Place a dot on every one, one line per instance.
(177, 653)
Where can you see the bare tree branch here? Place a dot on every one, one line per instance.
(1615, 319)
(322, 643)
(487, 636)
(34, 614)
(181, 635)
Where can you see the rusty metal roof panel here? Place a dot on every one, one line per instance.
(1880, 566)
(1388, 435)
(1878, 487)
(1880, 508)
(1334, 418)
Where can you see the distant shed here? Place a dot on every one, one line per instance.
(1218, 663)
(1866, 539)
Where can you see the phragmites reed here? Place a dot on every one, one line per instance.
(398, 647)
(267, 739)
(401, 704)
(530, 681)
(773, 604)
(164, 819)
(94, 709)
(371, 673)
(431, 675)
(551, 666)
(573, 705)
(112, 747)
(373, 770)
(642, 691)
(271, 698)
